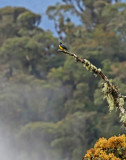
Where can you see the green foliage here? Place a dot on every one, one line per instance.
(9, 25)
(63, 136)
(54, 106)
(28, 19)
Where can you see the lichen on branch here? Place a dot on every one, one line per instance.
(110, 91)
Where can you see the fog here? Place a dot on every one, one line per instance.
(23, 105)
(7, 147)
(13, 147)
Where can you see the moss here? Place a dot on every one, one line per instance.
(123, 118)
(110, 101)
(121, 102)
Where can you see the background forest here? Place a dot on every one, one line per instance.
(51, 108)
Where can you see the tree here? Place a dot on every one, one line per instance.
(47, 99)
(29, 46)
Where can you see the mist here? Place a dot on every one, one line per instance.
(26, 113)
(8, 145)
(13, 148)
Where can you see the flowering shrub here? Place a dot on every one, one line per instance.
(112, 149)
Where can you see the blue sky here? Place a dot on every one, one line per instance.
(37, 6)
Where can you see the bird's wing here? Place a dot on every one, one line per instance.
(63, 46)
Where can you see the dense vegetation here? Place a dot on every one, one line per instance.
(114, 149)
(53, 106)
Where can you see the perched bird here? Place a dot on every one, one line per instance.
(62, 47)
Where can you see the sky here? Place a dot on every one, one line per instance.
(37, 6)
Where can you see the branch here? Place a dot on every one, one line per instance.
(111, 94)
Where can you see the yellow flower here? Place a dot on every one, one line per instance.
(101, 143)
(109, 149)
(117, 142)
(89, 154)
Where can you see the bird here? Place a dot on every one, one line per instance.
(62, 46)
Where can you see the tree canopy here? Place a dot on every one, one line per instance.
(55, 107)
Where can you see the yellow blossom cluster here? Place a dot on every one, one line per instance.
(112, 149)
